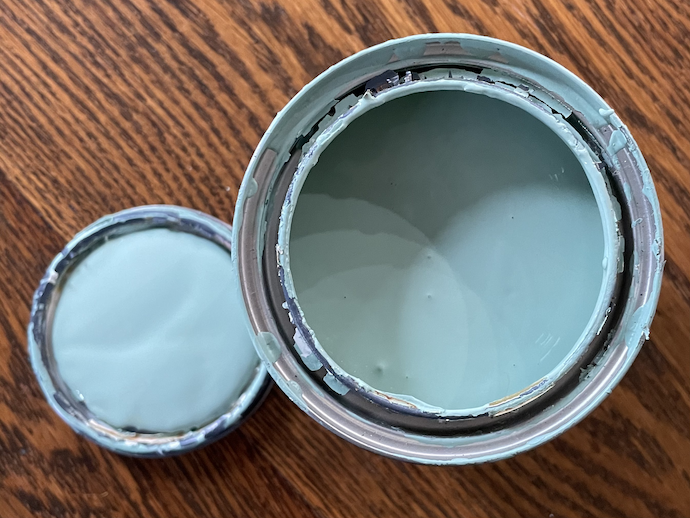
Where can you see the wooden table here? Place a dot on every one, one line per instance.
(109, 104)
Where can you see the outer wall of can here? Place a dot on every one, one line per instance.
(255, 224)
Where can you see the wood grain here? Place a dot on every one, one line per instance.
(106, 105)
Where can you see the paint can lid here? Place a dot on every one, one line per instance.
(149, 313)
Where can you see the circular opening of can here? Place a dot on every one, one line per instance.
(450, 248)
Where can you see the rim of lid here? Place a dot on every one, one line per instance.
(61, 398)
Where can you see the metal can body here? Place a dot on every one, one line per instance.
(619, 177)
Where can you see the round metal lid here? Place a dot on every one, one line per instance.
(66, 403)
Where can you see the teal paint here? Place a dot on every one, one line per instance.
(335, 384)
(148, 332)
(617, 142)
(447, 248)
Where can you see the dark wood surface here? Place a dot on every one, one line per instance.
(108, 104)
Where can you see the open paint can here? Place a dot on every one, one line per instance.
(448, 250)
(449, 247)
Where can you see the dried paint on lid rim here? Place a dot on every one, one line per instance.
(73, 411)
(372, 419)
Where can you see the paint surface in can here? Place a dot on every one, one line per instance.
(447, 248)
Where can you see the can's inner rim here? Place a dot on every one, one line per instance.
(588, 339)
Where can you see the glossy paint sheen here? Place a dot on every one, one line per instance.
(447, 247)
(149, 332)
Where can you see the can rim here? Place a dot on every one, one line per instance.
(629, 176)
(526, 395)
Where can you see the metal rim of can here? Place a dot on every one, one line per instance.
(631, 313)
(407, 413)
(63, 401)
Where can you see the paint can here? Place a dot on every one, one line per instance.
(65, 401)
(402, 427)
